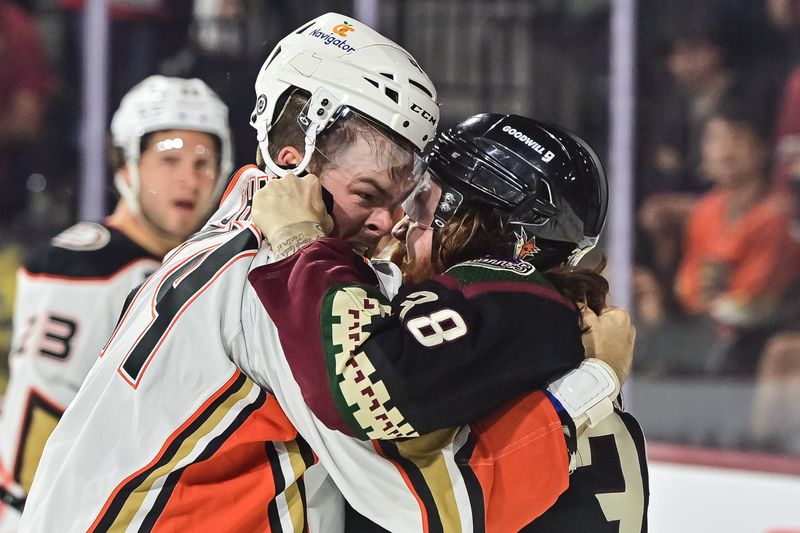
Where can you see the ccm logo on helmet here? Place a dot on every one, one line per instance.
(538, 148)
(329, 39)
(424, 114)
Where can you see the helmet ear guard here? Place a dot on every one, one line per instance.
(322, 109)
(537, 209)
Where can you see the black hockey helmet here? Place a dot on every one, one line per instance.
(547, 182)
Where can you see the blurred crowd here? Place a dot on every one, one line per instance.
(717, 277)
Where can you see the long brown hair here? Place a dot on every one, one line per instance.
(474, 232)
(477, 231)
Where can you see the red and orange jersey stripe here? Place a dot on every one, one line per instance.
(520, 460)
(214, 457)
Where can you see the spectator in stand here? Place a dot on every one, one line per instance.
(696, 60)
(785, 15)
(739, 259)
(698, 57)
(775, 422)
(784, 18)
(25, 84)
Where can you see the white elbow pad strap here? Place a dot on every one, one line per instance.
(587, 392)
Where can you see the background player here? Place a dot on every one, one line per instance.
(501, 188)
(171, 149)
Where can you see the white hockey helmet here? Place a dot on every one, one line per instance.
(160, 103)
(342, 62)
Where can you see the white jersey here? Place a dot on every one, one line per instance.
(180, 426)
(69, 296)
(167, 433)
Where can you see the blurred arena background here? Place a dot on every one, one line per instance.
(716, 381)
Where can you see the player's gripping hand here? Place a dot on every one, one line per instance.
(290, 212)
(610, 338)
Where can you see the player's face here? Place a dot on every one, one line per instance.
(415, 231)
(418, 240)
(178, 171)
(365, 193)
(416, 228)
(692, 62)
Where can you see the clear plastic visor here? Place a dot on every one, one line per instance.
(350, 145)
(432, 203)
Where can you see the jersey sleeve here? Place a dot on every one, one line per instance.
(440, 354)
(517, 460)
(609, 491)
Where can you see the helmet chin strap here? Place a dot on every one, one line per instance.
(129, 191)
(586, 245)
(272, 166)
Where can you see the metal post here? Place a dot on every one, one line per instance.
(622, 147)
(95, 101)
(368, 12)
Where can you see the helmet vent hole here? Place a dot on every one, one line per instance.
(391, 93)
(405, 123)
(373, 82)
(304, 28)
(387, 75)
(421, 87)
(272, 57)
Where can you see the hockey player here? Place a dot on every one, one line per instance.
(171, 146)
(507, 199)
(169, 430)
(178, 426)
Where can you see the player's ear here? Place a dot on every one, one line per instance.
(289, 156)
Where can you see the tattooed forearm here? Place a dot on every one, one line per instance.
(292, 238)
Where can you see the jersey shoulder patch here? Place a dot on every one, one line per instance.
(83, 237)
(86, 250)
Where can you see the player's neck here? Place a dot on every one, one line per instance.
(136, 228)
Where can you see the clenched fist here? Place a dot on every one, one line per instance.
(610, 338)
